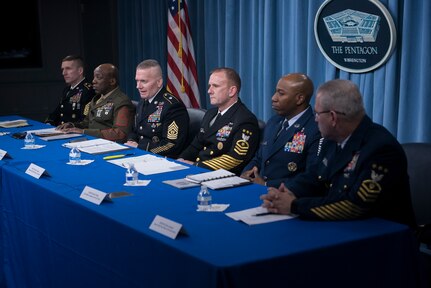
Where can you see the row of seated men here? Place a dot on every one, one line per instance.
(358, 169)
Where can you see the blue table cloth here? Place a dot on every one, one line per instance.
(53, 238)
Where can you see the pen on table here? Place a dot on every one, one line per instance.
(117, 156)
(263, 214)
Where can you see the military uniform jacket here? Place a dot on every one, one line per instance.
(229, 143)
(280, 159)
(73, 104)
(368, 177)
(111, 118)
(161, 126)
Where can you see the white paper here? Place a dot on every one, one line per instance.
(140, 183)
(215, 208)
(226, 182)
(45, 131)
(165, 226)
(161, 166)
(35, 171)
(123, 162)
(59, 137)
(149, 164)
(81, 163)
(14, 123)
(249, 217)
(181, 183)
(33, 147)
(96, 146)
(93, 195)
(206, 176)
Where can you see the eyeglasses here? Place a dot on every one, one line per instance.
(317, 114)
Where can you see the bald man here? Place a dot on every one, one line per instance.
(291, 137)
(111, 112)
(361, 169)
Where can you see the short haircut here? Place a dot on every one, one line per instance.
(301, 83)
(231, 75)
(342, 96)
(150, 63)
(78, 59)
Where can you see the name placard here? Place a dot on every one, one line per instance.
(93, 195)
(166, 227)
(3, 153)
(35, 171)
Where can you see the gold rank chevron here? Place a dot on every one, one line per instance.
(173, 131)
(241, 147)
(162, 148)
(339, 210)
(369, 190)
(223, 162)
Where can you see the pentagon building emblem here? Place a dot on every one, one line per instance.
(355, 35)
(352, 26)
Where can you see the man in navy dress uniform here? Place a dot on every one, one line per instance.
(361, 170)
(229, 133)
(291, 137)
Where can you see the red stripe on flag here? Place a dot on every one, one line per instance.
(182, 78)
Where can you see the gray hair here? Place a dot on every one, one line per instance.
(342, 96)
(150, 63)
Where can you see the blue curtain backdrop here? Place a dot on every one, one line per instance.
(265, 39)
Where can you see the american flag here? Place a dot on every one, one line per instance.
(182, 76)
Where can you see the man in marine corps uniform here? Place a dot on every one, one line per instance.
(229, 133)
(76, 95)
(361, 170)
(110, 113)
(161, 122)
(289, 145)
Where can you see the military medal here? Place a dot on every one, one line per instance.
(297, 144)
(220, 145)
(292, 166)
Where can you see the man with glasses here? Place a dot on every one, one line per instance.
(361, 170)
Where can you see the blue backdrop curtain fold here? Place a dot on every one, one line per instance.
(265, 39)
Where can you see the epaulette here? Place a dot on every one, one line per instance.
(170, 98)
(87, 85)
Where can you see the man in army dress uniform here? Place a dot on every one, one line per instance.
(110, 112)
(291, 137)
(161, 122)
(76, 95)
(229, 133)
(361, 170)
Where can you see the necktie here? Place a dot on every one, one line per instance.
(144, 107)
(284, 126)
(215, 119)
(339, 149)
